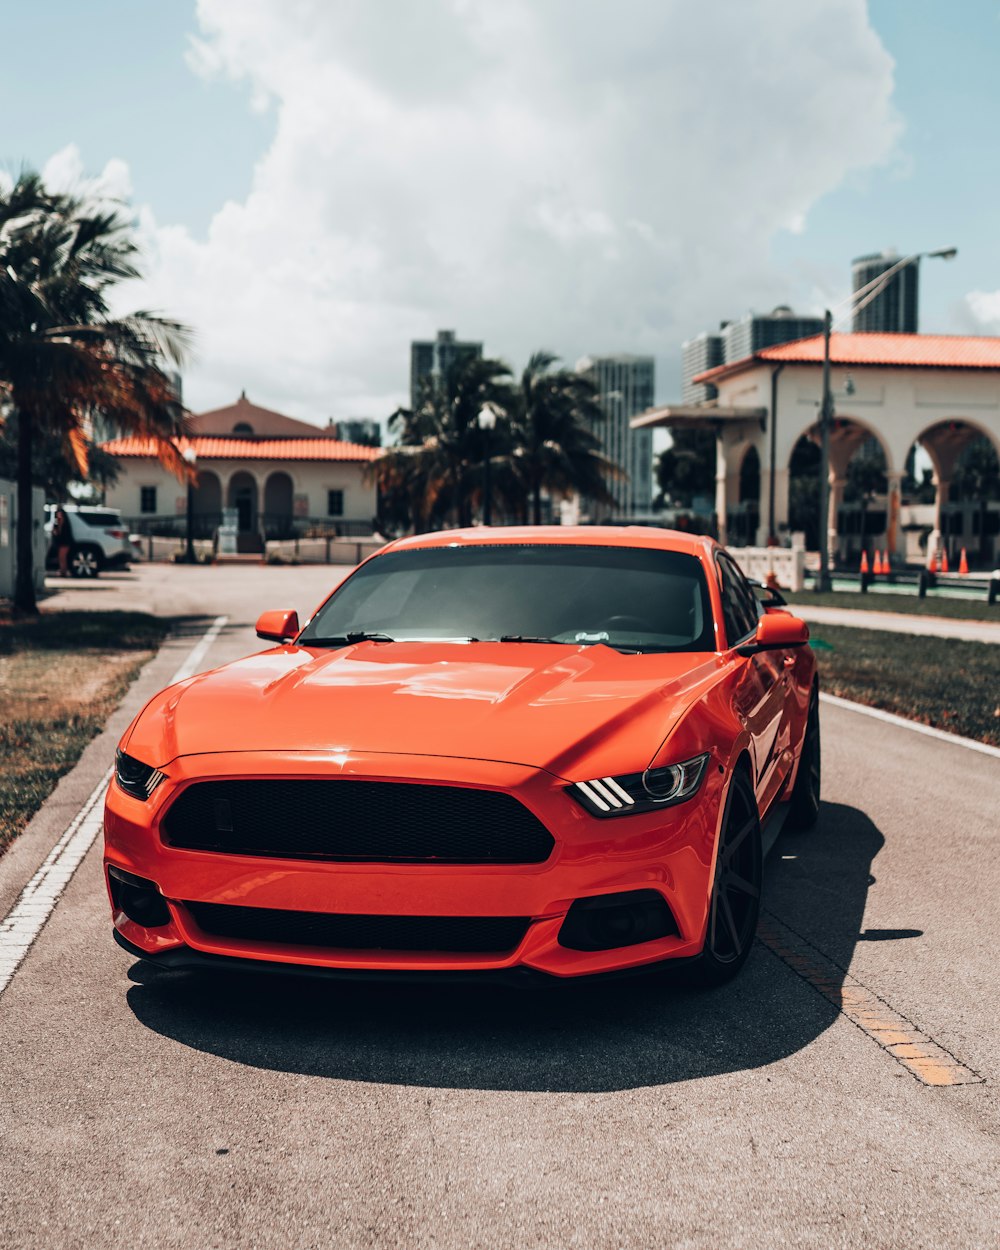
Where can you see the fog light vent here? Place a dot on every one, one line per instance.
(612, 920)
(138, 898)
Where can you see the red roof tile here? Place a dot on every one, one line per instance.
(921, 351)
(250, 448)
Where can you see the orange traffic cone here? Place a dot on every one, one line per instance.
(864, 562)
(944, 560)
(886, 566)
(877, 566)
(963, 564)
(932, 561)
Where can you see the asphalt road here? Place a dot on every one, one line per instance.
(171, 1110)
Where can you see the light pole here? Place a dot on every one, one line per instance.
(191, 459)
(855, 302)
(486, 421)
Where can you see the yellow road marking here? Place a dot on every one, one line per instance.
(899, 1037)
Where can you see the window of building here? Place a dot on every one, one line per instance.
(334, 503)
(147, 499)
(243, 427)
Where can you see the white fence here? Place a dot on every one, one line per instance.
(787, 564)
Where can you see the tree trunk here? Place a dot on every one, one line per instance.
(24, 582)
(536, 504)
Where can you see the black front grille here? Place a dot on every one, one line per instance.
(472, 934)
(363, 821)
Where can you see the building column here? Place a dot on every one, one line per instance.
(721, 504)
(942, 487)
(781, 477)
(721, 491)
(837, 485)
(895, 538)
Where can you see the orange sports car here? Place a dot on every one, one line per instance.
(535, 751)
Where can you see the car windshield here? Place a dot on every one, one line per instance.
(630, 598)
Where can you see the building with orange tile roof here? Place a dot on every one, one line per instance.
(276, 476)
(891, 392)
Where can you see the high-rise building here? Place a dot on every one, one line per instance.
(625, 385)
(894, 309)
(363, 430)
(697, 355)
(756, 331)
(435, 359)
(735, 341)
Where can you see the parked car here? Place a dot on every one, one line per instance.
(551, 751)
(100, 539)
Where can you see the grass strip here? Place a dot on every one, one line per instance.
(61, 677)
(909, 605)
(951, 685)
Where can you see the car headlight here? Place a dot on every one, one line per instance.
(135, 777)
(640, 792)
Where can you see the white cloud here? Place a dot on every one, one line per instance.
(585, 177)
(64, 171)
(984, 308)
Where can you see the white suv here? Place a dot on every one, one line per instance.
(100, 539)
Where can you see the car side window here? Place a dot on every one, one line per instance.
(740, 609)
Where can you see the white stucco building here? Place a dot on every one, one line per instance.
(939, 391)
(280, 476)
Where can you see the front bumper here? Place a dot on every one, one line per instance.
(669, 851)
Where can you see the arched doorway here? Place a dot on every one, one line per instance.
(956, 500)
(803, 490)
(863, 517)
(242, 495)
(278, 505)
(858, 481)
(207, 504)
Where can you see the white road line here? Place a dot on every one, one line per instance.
(891, 719)
(26, 919)
(190, 665)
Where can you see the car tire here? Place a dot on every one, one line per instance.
(735, 900)
(803, 807)
(85, 560)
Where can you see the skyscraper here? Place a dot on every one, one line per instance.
(698, 354)
(435, 358)
(755, 331)
(894, 309)
(625, 386)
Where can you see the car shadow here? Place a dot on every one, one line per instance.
(566, 1038)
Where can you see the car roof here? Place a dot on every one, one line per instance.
(564, 535)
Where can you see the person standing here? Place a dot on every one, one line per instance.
(62, 539)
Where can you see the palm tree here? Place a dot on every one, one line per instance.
(64, 359)
(553, 448)
(434, 470)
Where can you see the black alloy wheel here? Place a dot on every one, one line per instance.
(803, 807)
(84, 561)
(735, 901)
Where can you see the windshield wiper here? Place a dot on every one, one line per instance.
(524, 638)
(344, 640)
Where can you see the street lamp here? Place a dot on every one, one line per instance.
(486, 421)
(191, 459)
(854, 303)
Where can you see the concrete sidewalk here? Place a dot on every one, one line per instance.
(900, 623)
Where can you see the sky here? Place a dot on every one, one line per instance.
(318, 182)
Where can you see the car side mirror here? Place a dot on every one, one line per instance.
(776, 630)
(278, 626)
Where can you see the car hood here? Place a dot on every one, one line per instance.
(547, 706)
